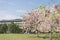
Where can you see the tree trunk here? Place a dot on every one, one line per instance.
(27, 31)
(51, 34)
(23, 30)
(37, 34)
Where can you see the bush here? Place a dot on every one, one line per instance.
(3, 28)
(14, 28)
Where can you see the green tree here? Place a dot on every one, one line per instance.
(42, 6)
(53, 18)
(14, 28)
(3, 28)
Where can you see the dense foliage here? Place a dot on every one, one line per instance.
(10, 28)
(3, 28)
(14, 28)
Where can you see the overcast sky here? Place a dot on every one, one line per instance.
(12, 9)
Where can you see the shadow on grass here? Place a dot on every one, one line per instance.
(44, 37)
(39, 37)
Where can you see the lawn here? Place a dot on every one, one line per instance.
(24, 37)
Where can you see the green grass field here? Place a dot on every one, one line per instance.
(24, 37)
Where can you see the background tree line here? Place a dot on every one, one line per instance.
(10, 28)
